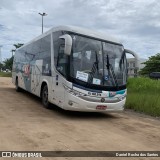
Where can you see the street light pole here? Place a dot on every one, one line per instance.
(0, 54)
(42, 14)
(42, 24)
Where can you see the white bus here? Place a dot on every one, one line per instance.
(73, 68)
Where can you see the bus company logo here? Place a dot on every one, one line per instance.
(26, 69)
(102, 100)
(112, 94)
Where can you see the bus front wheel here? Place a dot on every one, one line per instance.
(44, 97)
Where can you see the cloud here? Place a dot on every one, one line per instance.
(136, 23)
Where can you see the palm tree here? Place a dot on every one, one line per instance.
(18, 45)
(13, 50)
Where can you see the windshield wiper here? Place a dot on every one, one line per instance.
(110, 70)
(97, 62)
(94, 68)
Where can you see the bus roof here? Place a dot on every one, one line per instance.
(78, 30)
(86, 32)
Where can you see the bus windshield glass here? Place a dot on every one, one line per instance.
(98, 63)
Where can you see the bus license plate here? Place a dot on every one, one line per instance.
(101, 107)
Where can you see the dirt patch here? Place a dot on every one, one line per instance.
(26, 125)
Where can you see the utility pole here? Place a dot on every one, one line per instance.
(42, 14)
(0, 54)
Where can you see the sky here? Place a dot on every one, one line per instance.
(136, 23)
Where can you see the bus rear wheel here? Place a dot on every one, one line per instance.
(44, 97)
(18, 89)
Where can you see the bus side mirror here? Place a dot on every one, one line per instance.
(136, 58)
(134, 55)
(68, 43)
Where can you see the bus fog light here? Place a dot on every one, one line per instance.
(70, 103)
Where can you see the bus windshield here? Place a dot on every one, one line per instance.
(98, 63)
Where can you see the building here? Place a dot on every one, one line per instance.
(132, 70)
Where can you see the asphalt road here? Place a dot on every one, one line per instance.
(25, 126)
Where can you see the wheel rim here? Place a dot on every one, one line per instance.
(45, 96)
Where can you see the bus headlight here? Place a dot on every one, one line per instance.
(122, 97)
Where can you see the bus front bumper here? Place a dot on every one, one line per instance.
(75, 103)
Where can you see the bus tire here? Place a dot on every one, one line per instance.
(44, 96)
(18, 89)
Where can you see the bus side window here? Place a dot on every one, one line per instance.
(45, 54)
(62, 61)
(56, 44)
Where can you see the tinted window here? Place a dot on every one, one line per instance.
(36, 49)
(62, 63)
(45, 54)
(29, 55)
(21, 54)
(56, 43)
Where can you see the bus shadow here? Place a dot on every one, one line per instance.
(79, 115)
(65, 113)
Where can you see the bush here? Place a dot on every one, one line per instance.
(144, 95)
(5, 74)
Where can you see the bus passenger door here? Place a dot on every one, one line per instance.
(58, 90)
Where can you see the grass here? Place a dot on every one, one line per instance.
(5, 74)
(144, 96)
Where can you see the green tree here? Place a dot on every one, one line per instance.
(13, 50)
(152, 65)
(1, 66)
(8, 63)
(18, 45)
